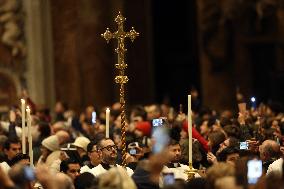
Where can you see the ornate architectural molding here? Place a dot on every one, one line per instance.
(11, 21)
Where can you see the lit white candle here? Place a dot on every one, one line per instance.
(189, 131)
(23, 103)
(29, 122)
(107, 122)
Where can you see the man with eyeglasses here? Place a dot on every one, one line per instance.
(108, 154)
(94, 155)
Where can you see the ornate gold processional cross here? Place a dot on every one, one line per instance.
(121, 79)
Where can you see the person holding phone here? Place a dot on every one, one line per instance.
(269, 151)
(135, 153)
(229, 155)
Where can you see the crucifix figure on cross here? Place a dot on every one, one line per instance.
(121, 79)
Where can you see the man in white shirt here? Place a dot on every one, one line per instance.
(174, 166)
(276, 167)
(94, 155)
(108, 151)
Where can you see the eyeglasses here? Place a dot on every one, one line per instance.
(109, 148)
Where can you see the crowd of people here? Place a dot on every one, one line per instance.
(234, 150)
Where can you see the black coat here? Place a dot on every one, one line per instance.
(142, 180)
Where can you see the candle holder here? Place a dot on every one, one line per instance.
(190, 172)
(121, 79)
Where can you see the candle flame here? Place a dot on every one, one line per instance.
(23, 101)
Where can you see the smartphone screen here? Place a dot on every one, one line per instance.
(253, 102)
(29, 173)
(132, 151)
(157, 122)
(161, 139)
(254, 171)
(94, 117)
(168, 178)
(244, 146)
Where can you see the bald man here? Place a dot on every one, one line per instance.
(63, 181)
(269, 151)
(63, 136)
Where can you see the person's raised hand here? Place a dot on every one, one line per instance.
(130, 158)
(12, 116)
(181, 117)
(5, 181)
(253, 145)
(241, 119)
(156, 164)
(211, 158)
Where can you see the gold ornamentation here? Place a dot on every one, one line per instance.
(121, 79)
(190, 172)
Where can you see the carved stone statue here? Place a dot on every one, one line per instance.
(10, 20)
(221, 19)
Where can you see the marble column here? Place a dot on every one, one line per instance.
(39, 69)
(217, 84)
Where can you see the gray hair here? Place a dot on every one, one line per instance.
(63, 181)
(116, 178)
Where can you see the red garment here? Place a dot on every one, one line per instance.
(144, 127)
(196, 135)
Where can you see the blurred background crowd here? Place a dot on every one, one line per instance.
(230, 149)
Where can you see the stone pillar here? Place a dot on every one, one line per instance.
(64, 14)
(39, 74)
(95, 56)
(242, 66)
(217, 78)
(84, 61)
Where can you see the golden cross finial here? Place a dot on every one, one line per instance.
(121, 79)
(120, 35)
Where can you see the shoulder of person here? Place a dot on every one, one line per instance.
(275, 166)
(52, 157)
(128, 170)
(96, 171)
(84, 169)
(4, 165)
(166, 169)
(183, 166)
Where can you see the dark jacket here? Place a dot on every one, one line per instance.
(142, 180)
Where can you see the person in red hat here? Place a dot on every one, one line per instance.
(196, 135)
(143, 128)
